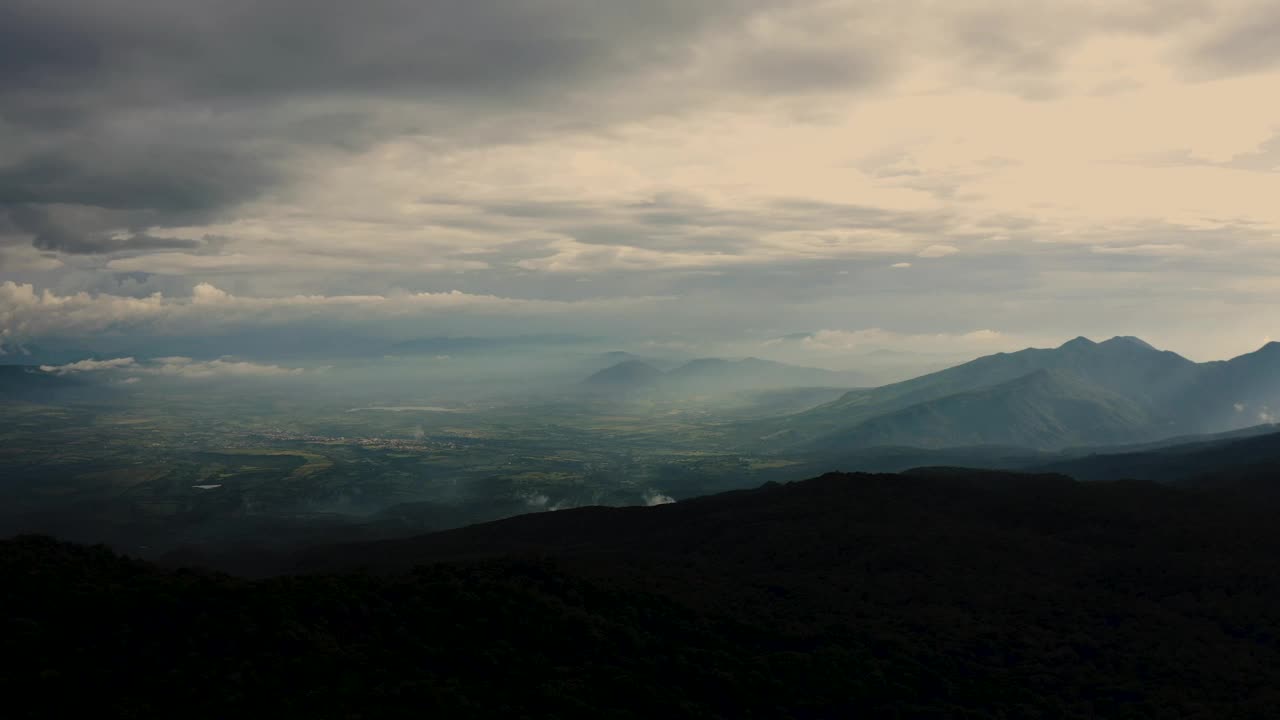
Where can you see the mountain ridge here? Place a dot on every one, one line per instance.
(1045, 409)
(1157, 393)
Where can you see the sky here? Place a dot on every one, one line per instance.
(826, 176)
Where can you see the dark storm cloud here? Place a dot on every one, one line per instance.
(176, 181)
(176, 112)
(140, 241)
(50, 234)
(238, 47)
(179, 111)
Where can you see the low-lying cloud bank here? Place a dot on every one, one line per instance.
(86, 366)
(26, 312)
(175, 367)
(976, 342)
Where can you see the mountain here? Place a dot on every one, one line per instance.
(1236, 393)
(1043, 409)
(935, 593)
(715, 375)
(1117, 391)
(1220, 462)
(626, 376)
(1074, 461)
(600, 361)
(615, 357)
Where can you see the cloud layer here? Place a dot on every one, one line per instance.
(26, 313)
(777, 165)
(175, 367)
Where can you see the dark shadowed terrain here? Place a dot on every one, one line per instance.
(936, 593)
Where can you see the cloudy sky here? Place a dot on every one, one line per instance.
(971, 175)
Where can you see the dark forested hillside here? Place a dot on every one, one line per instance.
(1215, 462)
(937, 593)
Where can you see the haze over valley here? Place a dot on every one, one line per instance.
(168, 454)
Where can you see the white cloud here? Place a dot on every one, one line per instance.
(538, 501)
(974, 342)
(89, 366)
(653, 498)
(176, 263)
(184, 367)
(901, 265)
(1150, 249)
(938, 251)
(24, 312)
(176, 366)
(572, 256)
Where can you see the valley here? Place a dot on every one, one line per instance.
(158, 468)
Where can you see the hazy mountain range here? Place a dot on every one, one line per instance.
(1081, 393)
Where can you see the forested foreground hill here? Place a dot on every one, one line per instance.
(938, 593)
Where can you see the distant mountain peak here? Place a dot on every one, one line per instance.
(702, 364)
(1080, 342)
(630, 372)
(1129, 340)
